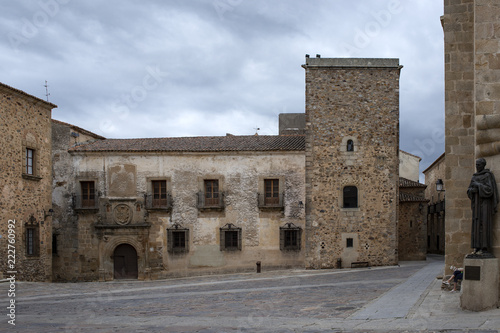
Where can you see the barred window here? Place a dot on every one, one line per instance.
(230, 238)
(290, 237)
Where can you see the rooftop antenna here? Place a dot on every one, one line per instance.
(257, 129)
(46, 90)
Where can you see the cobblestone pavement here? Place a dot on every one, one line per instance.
(405, 298)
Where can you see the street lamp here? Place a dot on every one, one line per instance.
(439, 185)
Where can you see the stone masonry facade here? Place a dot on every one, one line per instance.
(352, 143)
(472, 113)
(26, 186)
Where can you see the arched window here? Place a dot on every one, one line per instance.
(350, 145)
(350, 195)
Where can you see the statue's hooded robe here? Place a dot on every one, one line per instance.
(484, 205)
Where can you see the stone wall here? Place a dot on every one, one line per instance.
(67, 263)
(352, 101)
(412, 222)
(25, 195)
(472, 113)
(458, 25)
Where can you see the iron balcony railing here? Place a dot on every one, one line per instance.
(275, 201)
(158, 201)
(86, 202)
(214, 200)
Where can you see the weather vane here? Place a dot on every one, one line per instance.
(46, 90)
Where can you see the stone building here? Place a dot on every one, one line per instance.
(160, 207)
(434, 176)
(352, 144)
(412, 220)
(152, 208)
(472, 113)
(25, 183)
(409, 166)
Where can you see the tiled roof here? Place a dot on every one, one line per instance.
(79, 129)
(404, 182)
(198, 144)
(407, 197)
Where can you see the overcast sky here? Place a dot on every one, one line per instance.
(131, 69)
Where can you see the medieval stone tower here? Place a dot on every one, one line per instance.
(352, 144)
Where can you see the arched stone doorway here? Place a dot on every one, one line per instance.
(125, 262)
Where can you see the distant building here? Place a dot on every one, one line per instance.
(25, 184)
(409, 166)
(434, 176)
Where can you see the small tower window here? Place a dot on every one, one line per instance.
(350, 145)
(350, 195)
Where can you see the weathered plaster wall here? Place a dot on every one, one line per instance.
(239, 177)
(70, 234)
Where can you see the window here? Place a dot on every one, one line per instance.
(88, 194)
(271, 188)
(159, 193)
(31, 237)
(30, 168)
(178, 239)
(290, 237)
(211, 192)
(350, 195)
(230, 238)
(210, 197)
(349, 242)
(350, 145)
(30, 156)
(54, 244)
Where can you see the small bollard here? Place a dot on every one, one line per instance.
(258, 266)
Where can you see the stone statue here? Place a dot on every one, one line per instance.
(483, 194)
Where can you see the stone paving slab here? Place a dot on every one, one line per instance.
(280, 301)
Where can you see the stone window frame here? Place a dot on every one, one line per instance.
(290, 227)
(35, 175)
(262, 190)
(177, 228)
(201, 192)
(222, 237)
(32, 237)
(344, 199)
(341, 197)
(149, 193)
(355, 142)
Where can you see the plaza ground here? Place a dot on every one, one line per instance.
(404, 298)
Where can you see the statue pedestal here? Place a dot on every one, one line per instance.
(480, 284)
